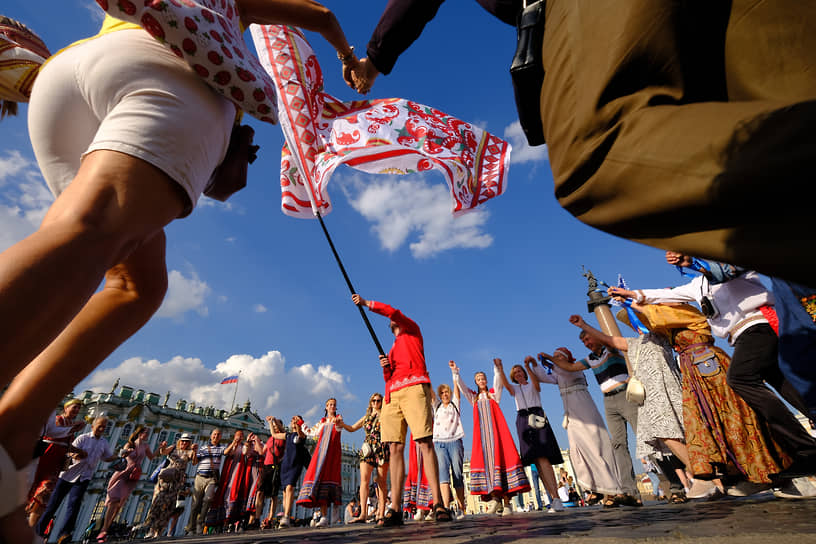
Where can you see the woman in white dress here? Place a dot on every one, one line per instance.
(591, 451)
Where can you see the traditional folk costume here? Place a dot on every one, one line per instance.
(322, 483)
(57, 436)
(495, 467)
(591, 453)
(239, 472)
(416, 493)
(723, 434)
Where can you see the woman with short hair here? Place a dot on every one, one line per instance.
(448, 433)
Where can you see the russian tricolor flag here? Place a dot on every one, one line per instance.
(230, 379)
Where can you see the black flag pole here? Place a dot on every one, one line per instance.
(350, 286)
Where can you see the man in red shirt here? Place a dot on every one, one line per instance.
(407, 404)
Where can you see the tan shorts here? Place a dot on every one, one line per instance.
(411, 407)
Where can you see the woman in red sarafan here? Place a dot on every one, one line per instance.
(496, 471)
(321, 484)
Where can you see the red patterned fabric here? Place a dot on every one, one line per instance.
(416, 492)
(385, 136)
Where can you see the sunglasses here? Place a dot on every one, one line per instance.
(376, 400)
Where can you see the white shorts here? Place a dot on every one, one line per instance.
(124, 91)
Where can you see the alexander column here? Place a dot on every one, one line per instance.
(598, 303)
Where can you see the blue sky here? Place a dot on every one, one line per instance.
(257, 291)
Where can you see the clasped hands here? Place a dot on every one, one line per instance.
(359, 74)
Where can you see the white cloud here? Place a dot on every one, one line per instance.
(399, 207)
(272, 388)
(24, 198)
(522, 152)
(259, 309)
(183, 295)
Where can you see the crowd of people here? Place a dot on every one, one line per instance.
(629, 118)
(706, 419)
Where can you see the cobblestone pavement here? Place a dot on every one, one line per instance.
(759, 520)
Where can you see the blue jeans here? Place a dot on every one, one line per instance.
(450, 456)
(75, 491)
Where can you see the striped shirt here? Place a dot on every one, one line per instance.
(209, 458)
(609, 368)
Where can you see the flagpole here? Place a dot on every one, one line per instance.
(350, 286)
(234, 393)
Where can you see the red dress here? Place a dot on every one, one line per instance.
(322, 484)
(495, 465)
(416, 492)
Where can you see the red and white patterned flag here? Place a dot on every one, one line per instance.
(386, 136)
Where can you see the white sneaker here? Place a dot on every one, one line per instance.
(460, 515)
(324, 522)
(702, 489)
(429, 516)
(555, 506)
(284, 522)
(508, 510)
(492, 507)
(419, 516)
(797, 488)
(746, 488)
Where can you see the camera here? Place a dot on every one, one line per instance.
(708, 307)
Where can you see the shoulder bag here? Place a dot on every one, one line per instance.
(635, 392)
(231, 175)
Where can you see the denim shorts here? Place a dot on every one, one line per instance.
(450, 455)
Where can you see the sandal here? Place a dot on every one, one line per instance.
(678, 498)
(392, 518)
(14, 483)
(442, 514)
(594, 498)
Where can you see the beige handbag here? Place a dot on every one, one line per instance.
(635, 392)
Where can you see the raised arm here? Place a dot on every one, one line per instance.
(457, 383)
(499, 371)
(616, 342)
(540, 373)
(497, 382)
(532, 375)
(563, 363)
(306, 14)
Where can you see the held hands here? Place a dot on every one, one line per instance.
(617, 292)
(530, 361)
(498, 363)
(576, 320)
(453, 367)
(361, 76)
(677, 259)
